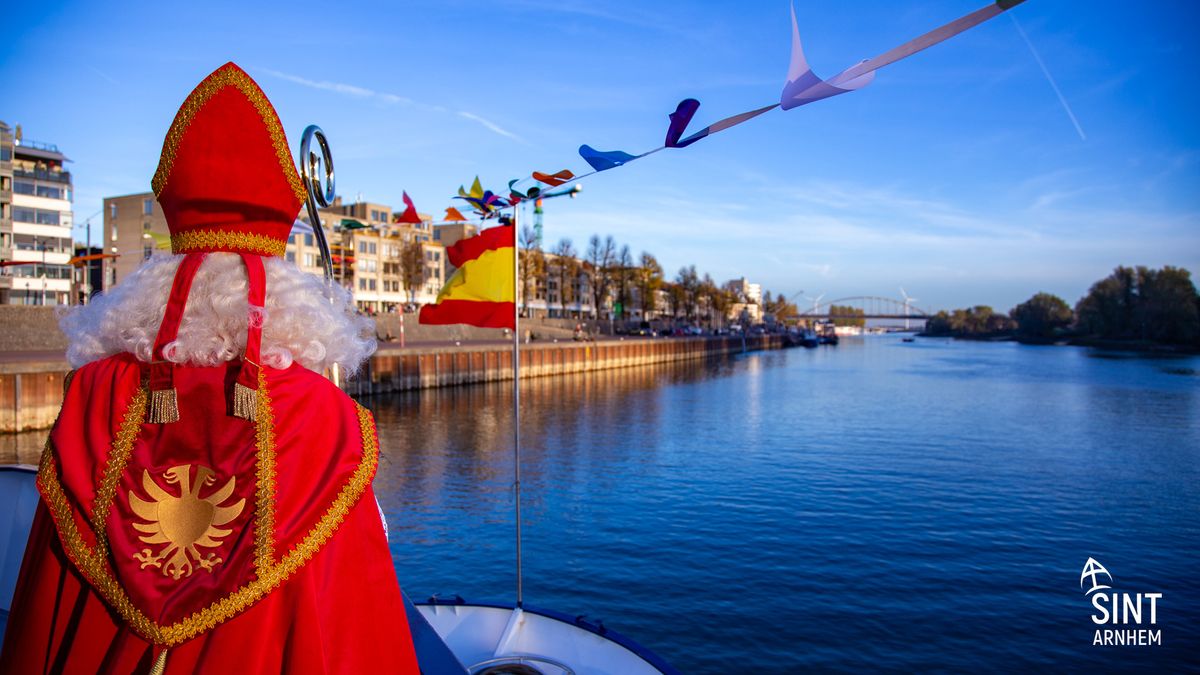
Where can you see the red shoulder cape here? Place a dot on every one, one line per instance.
(243, 546)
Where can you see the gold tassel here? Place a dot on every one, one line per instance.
(245, 402)
(160, 664)
(164, 407)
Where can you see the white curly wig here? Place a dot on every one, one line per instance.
(300, 321)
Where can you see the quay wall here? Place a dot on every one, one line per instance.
(31, 391)
(401, 370)
(30, 394)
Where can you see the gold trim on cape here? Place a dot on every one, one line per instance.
(264, 501)
(92, 561)
(226, 76)
(131, 424)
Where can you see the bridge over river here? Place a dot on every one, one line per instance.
(870, 306)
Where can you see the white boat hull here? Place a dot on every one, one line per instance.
(489, 636)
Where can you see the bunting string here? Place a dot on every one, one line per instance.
(801, 88)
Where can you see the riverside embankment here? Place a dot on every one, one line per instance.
(31, 386)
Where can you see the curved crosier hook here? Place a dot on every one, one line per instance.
(310, 174)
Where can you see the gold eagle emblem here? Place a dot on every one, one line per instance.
(185, 522)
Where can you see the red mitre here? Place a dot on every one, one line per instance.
(226, 180)
(227, 183)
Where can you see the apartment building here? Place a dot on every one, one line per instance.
(449, 234)
(367, 252)
(366, 248)
(747, 305)
(134, 227)
(36, 220)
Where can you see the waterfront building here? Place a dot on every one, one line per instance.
(369, 213)
(365, 248)
(448, 234)
(745, 291)
(368, 254)
(134, 227)
(565, 291)
(35, 221)
(6, 198)
(747, 305)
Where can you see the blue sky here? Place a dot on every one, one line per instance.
(957, 174)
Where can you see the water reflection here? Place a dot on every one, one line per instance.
(22, 448)
(443, 448)
(881, 503)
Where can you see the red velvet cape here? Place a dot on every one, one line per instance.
(237, 546)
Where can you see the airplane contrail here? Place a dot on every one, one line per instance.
(1049, 78)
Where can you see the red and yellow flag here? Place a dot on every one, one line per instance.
(481, 292)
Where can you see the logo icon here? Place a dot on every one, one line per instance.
(185, 522)
(1092, 569)
(1128, 619)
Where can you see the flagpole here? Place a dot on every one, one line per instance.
(517, 395)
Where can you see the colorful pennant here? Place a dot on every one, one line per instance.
(487, 204)
(679, 120)
(603, 161)
(476, 190)
(410, 214)
(553, 179)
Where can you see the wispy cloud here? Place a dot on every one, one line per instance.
(885, 207)
(103, 74)
(635, 17)
(491, 126)
(392, 99)
(1049, 78)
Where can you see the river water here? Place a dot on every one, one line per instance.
(879, 505)
(876, 505)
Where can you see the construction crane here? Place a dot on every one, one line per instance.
(537, 209)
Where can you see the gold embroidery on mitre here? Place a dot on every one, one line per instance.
(185, 522)
(227, 77)
(204, 240)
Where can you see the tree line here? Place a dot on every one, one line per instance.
(1131, 305)
(608, 271)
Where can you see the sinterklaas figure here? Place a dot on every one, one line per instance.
(206, 493)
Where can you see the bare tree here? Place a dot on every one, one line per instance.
(649, 279)
(675, 298)
(623, 275)
(708, 298)
(412, 267)
(533, 265)
(721, 300)
(600, 259)
(688, 281)
(566, 269)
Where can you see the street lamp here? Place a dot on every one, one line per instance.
(87, 268)
(39, 244)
